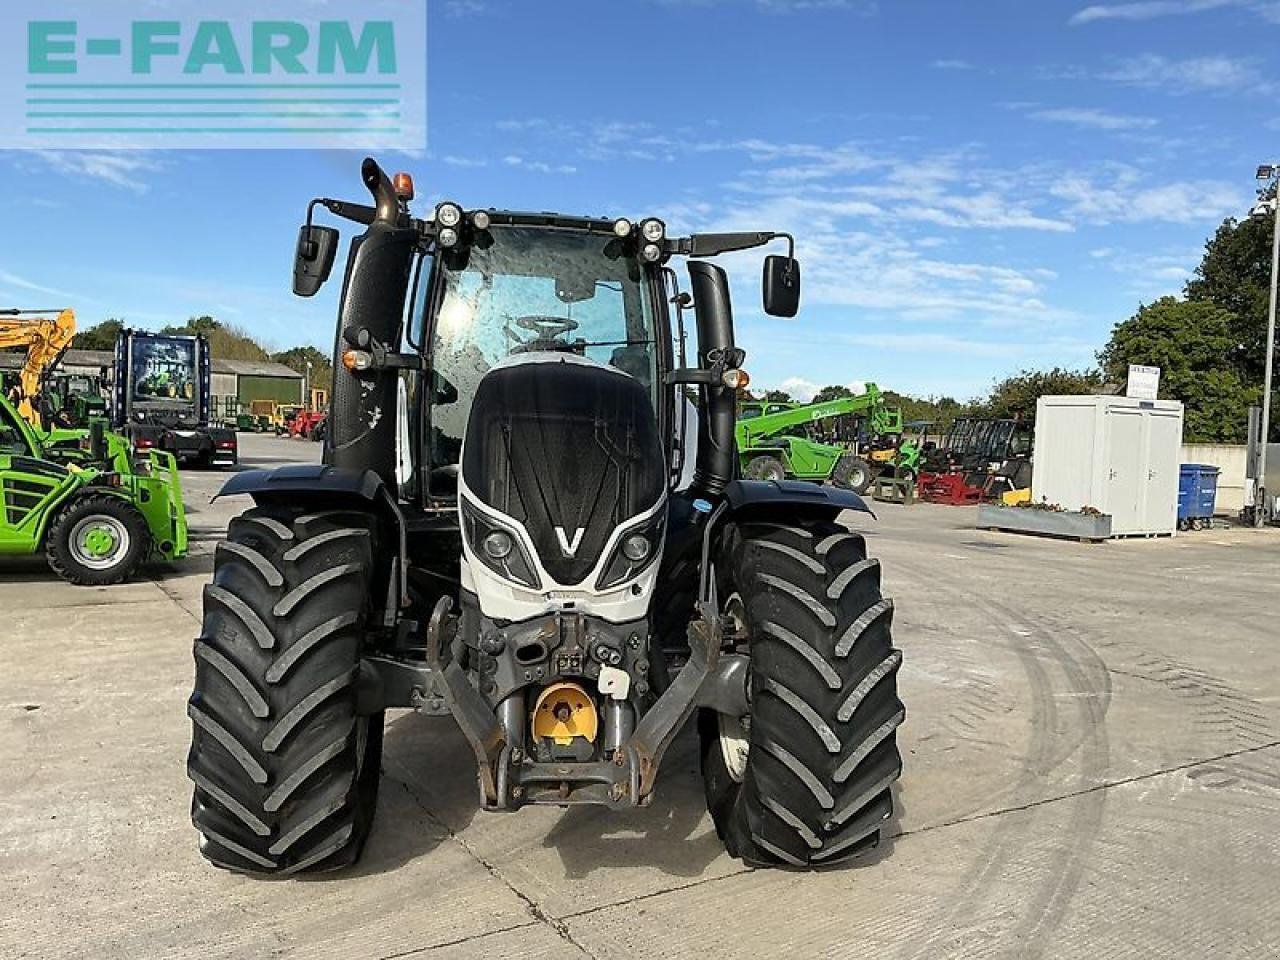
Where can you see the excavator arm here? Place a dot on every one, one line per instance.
(45, 334)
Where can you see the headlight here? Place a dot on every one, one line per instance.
(497, 547)
(651, 252)
(635, 547)
(653, 230)
(480, 220)
(448, 214)
(498, 544)
(634, 552)
(622, 227)
(447, 237)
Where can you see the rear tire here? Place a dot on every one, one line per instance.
(285, 770)
(813, 786)
(765, 467)
(96, 540)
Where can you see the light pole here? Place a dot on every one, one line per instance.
(1268, 175)
(306, 389)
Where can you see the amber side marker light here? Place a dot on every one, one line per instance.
(355, 360)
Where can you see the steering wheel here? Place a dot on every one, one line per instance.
(546, 328)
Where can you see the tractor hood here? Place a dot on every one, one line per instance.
(569, 450)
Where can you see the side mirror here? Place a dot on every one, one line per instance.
(313, 259)
(781, 285)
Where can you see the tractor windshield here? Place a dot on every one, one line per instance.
(528, 289)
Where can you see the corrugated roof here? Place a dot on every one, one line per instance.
(255, 368)
(12, 360)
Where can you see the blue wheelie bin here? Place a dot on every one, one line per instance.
(1197, 494)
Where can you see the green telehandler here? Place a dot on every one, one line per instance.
(779, 442)
(95, 511)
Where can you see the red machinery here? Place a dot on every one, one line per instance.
(307, 424)
(960, 472)
(953, 488)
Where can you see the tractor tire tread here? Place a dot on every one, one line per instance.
(284, 769)
(823, 757)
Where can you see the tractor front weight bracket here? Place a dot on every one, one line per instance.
(510, 778)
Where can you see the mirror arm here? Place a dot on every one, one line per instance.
(713, 244)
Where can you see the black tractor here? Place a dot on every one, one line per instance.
(523, 522)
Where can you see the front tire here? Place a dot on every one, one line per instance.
(804, 780)
(853, 473)
(285, 770)
(96, 540)
(765, 467)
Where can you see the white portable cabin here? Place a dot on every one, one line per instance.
(1120, 455)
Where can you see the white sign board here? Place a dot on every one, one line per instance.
(1144, 382)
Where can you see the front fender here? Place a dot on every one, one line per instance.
(324, 486)
(695, 525)
(790, 498)
(305, 478)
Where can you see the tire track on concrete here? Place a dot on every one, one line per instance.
(1053, 737)
(1217, 704)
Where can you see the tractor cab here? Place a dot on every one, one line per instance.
(567, 295)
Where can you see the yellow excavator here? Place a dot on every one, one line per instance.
(45, 334)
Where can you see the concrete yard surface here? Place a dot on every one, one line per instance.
(1092, 753)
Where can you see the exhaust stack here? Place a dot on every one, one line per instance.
(717, 459)
(362, 418)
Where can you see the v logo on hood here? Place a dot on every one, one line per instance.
(569, 547)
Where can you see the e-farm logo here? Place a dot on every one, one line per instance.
(314, 73)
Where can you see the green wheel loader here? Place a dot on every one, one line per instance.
(94, 511)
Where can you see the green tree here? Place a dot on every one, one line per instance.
(778, 396)
(1016, 396)
(101, 336)
(833, 392)
(295, 358)
(940, 411)
(226, 341)
(1192, 343)
(1235, 274)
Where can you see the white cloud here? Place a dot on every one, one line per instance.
(1213, 74)
(865, 8)
(877, 271)
(1091, 118)
(121, 169)
(935, 343)
(1147, 9)
(537, 166)
(1126, 198)
(800, 388)
(13, 281)
(948, 64)
(464, 8)
(1148, 275)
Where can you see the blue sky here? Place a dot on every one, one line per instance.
(976, 187)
